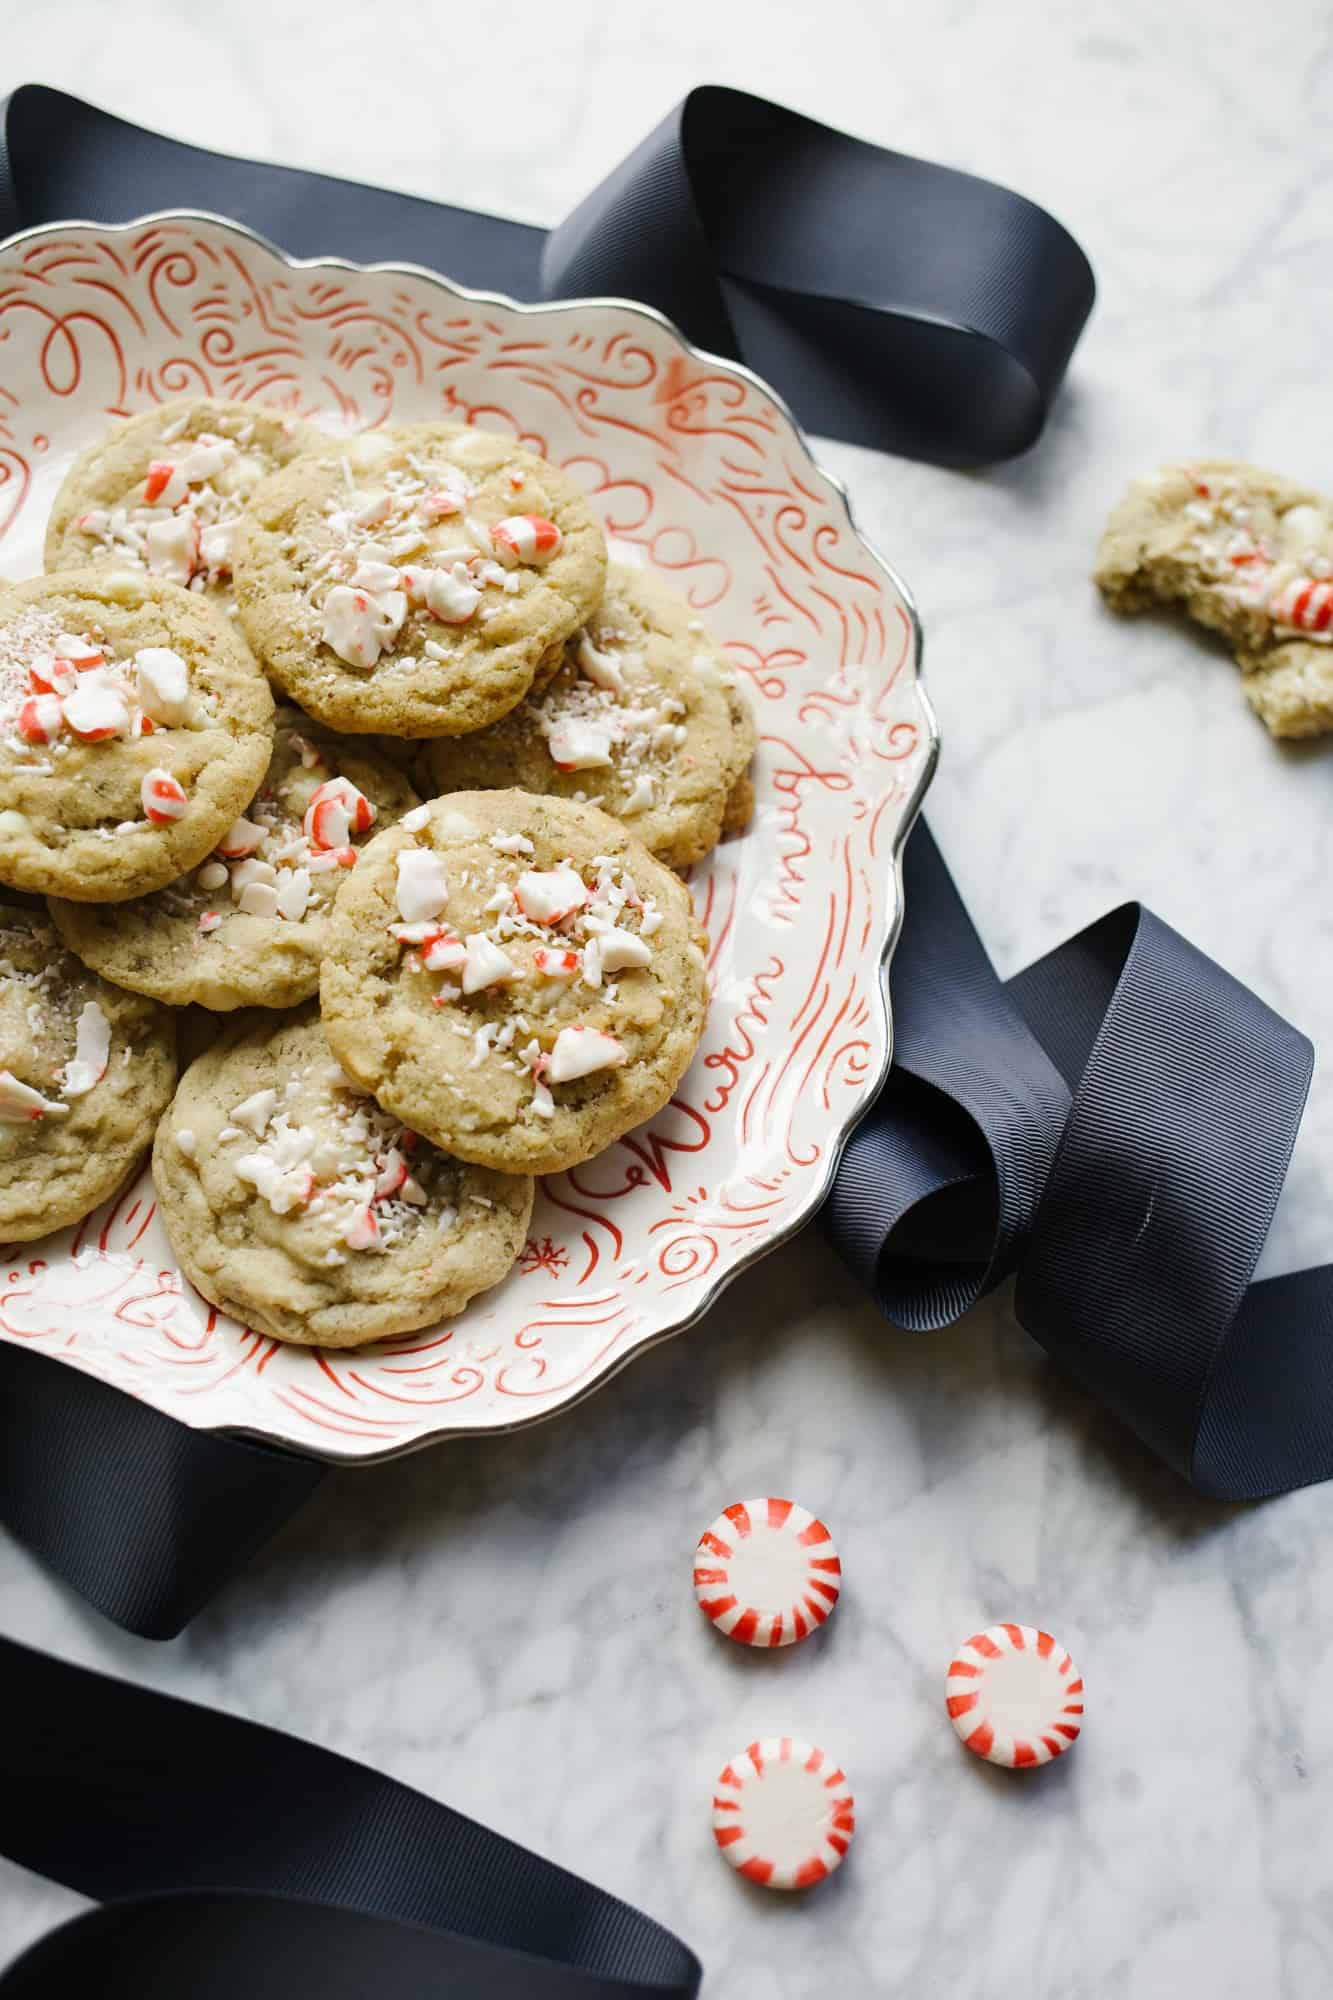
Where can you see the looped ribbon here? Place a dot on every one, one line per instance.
(892, 302)
(1114, 1126)
(230, 1858)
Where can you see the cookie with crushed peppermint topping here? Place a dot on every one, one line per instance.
(247, 927)
(413, 581)
(517, 977)
(299, 1206)
(1247, 553)
(135, 725)
(85, 1072)
(164, 490)
(644, 719)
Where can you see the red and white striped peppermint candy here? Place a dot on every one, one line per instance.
(766, 1572)
(163, 797)
(526, 538)
(783, 1813)
(1015, 1696)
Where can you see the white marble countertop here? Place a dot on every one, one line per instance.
(509, 1625)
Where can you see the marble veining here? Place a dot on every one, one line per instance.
(510, 1624)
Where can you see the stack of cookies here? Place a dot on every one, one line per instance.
(442, 862)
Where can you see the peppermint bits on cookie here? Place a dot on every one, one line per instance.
(387, 586)
(1014, 1696)
(134, 726)
(766, 1572)
(516, 978)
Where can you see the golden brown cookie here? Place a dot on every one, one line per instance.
(644, 719)
(296, 1204)
(85, 1072)
(164, 490)
(1247, 553)
(412, 581)
(247, 927)
(517, 978)
(134, 727)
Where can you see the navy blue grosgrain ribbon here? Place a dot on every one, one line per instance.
(231, 1859)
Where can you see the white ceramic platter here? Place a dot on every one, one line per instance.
(696, 469)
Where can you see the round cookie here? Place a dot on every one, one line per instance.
(412, 581)
(247, 927)
(296, 1204)
(517, 978)
(85, 1073)
(134, 727)
(643, 719)
(164, 490)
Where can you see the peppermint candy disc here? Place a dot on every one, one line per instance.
(766, 1572)
(1015, 1696)
(783, 1813)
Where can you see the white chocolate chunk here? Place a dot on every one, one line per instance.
(293, 894)
(255, 1111)
(451, 596)
(258, 899)
(486, 965)
(581, 1051)
(620, 950)
(603, 669)
(170, 547)
(550, 894)
(423, 887)
(92, 1051)
(162, 683)
(576, 745)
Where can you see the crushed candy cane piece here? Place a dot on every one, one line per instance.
(362, 1231)
(555, 964)
(443, 953)
(413, 821)
(451, 596)
(526, 538)
(243, 837)
(165, 484)
(359, 627)
(164, 798)
(95, 713)
(39, 718)
(20, 1103)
